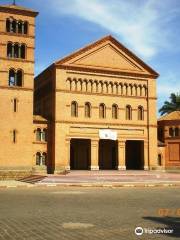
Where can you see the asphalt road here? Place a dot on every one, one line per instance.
(54, 213)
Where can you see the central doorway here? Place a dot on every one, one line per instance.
(134, 155)
(108, 154)
(80, 154)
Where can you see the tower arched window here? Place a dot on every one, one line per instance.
(16, 50)
(114, 111)
(13, 28)
(23, 51)
(10, 49)
(74, 109)
(44, 159)
(140, 113)
(8, 25)
(12, 77)
(87, 110)
(19, 78)
(20, 26)
(44, 135)
(38, 158)
(38, 134)
(25, 30)
(128, 112)
(102, 110)
(15, 78)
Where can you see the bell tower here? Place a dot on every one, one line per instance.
(17, 44)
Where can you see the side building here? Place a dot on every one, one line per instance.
(169, 141)
(100, 103)
(18, 126)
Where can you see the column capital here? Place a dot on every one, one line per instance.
(121, 143)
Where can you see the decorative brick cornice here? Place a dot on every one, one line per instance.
(17, 35)
(16, 88)
(100, 94)
(94, 70)
(18, 10)
(103, 123)
(17, 60)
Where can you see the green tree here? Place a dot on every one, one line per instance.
(173, 105)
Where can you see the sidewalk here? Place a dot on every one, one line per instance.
(99, 179)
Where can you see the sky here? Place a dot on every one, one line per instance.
(149, 28)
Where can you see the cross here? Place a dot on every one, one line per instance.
(14, 2)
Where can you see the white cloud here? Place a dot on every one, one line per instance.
(141, 24)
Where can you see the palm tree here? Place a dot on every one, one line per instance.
(173, 105)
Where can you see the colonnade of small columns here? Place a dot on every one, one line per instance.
(106, 87)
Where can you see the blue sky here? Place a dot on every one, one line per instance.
(150, 28)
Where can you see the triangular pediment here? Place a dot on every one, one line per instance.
(107, 57)
(107, 54)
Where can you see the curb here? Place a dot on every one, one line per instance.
(104, 185)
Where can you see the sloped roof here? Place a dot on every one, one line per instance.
(171, 116)
(114, 41)
(17, 9)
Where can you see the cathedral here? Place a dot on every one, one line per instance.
(92, 110)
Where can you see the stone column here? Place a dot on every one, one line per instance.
(146, 164)
(121, 155)
(67, 146)
(94, 155)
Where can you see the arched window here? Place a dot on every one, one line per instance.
(13, 29)
(176, 131)
(25, 30)
(128, 112)
(23, 51)
(44, 159)
(38, 134)
(19, 78)
(140, 113)
(38, 158)
(171, 132)
(10, 50)
(87, 110)
(102, 110)
(114, 111)
(20, 27)
(44, 135)
(74, 109)
(16, 50)
(12, 77)
(8, 27)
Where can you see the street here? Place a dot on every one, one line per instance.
(74, 213)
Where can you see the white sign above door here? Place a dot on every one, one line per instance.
(107, 134)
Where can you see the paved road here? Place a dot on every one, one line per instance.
(88, 213)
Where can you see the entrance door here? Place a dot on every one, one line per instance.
(80, 154)
(108, 154)
(135, 155)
